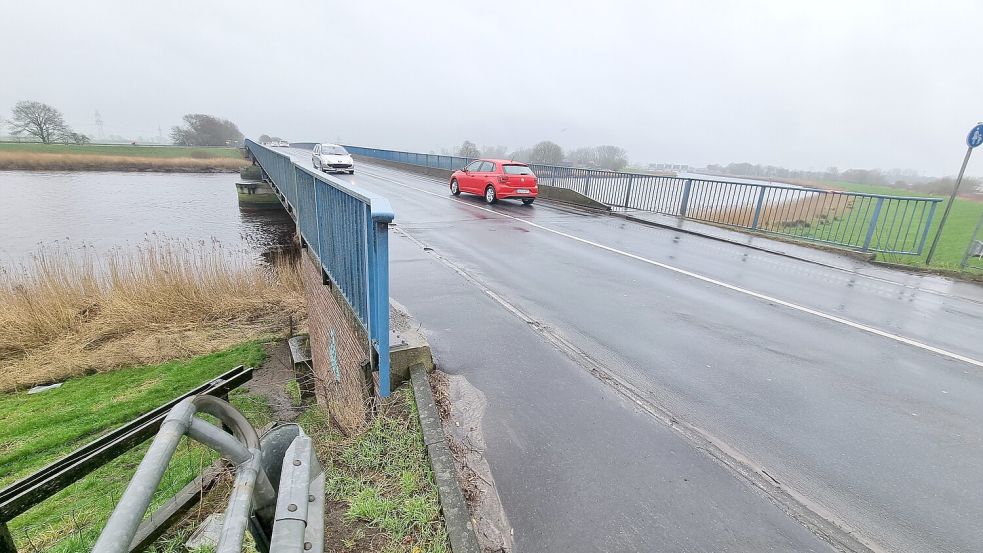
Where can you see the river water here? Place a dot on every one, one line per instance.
(116, 209)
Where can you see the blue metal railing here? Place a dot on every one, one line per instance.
(347, 230)
(864, 222)
(432, 161)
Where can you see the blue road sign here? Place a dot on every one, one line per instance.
(975, 137)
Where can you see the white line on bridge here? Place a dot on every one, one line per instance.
(709, 280)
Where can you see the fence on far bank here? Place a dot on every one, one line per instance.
(863, 222)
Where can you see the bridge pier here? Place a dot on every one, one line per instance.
(257, 194)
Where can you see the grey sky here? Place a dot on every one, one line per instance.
(802, 84)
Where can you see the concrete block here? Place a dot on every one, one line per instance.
(407, 345)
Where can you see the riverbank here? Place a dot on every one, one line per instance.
(69, 312)
(118, 157)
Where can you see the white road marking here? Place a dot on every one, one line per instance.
(709, 280)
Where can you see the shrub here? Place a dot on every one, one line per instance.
(251, 172)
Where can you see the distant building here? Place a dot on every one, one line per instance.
(677, 167)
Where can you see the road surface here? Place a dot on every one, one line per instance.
(850, 402)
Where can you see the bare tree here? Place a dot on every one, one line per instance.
(38, 120)
(468, 149)
(206, 130)
(497, 152)
(612, 157)
(546, 152)
(77, 138)
(604, 157)
(583, 157)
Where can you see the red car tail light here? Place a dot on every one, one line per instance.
(504, 179)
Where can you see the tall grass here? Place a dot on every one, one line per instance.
(97, 162)
(68, 312)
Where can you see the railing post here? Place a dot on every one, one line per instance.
(757, 208)
(380, 301)
(684, 203)
(873, 223)
(928, 227)
(587, 184)
(631, 180)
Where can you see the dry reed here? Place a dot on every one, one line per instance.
(803, 210)
(33, 161)
(68, 312)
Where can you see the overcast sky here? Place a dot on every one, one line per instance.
(859, 83)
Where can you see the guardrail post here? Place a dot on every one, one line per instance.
(6, 542)
(587, 185)
(631, 180)
(873, 223)
(757, 208)
(684, 203)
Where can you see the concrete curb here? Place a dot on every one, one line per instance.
(457, 518)
(567, 196)
(693, 232)
(419, 169)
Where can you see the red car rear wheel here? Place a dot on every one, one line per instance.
(490, 195)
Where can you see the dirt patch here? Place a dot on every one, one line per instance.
(343, 535)
(271, 380)
(461, 407)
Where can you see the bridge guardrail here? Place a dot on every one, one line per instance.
(864, 222)
(347, 230)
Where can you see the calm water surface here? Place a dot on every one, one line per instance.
(106, 210)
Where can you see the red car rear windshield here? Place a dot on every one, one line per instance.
(517, 170)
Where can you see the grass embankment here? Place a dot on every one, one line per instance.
(113, 157)
(38, 429)
(380, 487)
(67, 313)
(959, 228)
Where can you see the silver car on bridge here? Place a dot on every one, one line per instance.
(332, 157)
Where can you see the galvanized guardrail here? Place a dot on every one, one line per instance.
(284, 514)
(20, 496)
(347, 230)
(864, 222)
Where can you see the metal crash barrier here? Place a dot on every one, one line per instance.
(278, 492)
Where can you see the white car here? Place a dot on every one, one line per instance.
(283, 144)
(332, 157)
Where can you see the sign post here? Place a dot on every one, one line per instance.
(974, 139)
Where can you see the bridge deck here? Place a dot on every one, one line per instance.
(859, 393)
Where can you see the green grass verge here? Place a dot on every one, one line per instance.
(958, 230)
(383, 475)
(121, 150)
(37, 429)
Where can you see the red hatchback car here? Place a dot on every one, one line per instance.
(496, 179)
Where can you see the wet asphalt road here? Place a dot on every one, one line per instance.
(880, 433)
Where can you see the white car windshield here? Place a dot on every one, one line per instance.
(335, 150)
